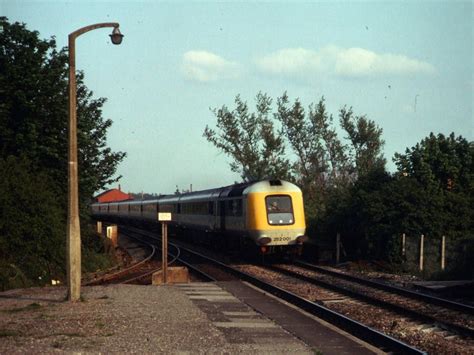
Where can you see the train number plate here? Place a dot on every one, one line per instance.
(281, 239)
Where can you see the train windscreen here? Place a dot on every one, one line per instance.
(279, 210)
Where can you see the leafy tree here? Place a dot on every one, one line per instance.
(34, 116)
(417, 200)
(440, 161)
(322, 161)
(365, 137)
(444, 168)
(250, 139)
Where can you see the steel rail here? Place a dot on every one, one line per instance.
(391, 288)
(127, 269)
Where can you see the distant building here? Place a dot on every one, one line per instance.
(113, 195)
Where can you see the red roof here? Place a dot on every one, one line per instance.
(113, 195)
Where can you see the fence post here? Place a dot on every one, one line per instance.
(99, 228)
(443, 252)
(422, 241)
(338, 247)
(403, 246)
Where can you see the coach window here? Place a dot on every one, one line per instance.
(279, 210)
(234, 207)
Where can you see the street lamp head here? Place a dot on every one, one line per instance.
(116, 36)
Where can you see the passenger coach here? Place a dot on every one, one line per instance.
(267, 214)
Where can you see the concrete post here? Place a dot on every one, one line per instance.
(73, 242)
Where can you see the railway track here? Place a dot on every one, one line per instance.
(426, 298)
(139, 271)
(436, 331)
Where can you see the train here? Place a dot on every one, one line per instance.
(266, 216)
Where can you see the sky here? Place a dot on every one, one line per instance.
(407, 65)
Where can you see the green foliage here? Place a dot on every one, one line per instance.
(378, 208)
(321, 158)
(96, 251)
(34, 116)
(365, 137)
(443, 168)
(257, 151)
(440, 162)
(32, 239)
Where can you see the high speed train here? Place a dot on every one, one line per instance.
(267, 215)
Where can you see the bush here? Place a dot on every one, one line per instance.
(32, 241)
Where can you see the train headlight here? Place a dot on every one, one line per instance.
(264, 240)
(301, 239)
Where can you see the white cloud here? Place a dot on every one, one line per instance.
(206, 66)
(332, 60)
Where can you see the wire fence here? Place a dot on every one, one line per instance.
(433, 257)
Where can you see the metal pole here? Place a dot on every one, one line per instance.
(338, 247)
(73, 243)
(164, 248)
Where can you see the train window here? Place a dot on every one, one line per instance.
(150, 208)
(234, 208)
(211, 207)
(279, 210)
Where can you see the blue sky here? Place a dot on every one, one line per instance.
(406, 65)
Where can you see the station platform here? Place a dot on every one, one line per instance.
(186, 318)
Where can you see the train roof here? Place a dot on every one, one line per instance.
(235, 190)
(271, 186)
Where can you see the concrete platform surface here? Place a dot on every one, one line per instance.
(185, 319)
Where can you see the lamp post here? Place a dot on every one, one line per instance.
(73, 225)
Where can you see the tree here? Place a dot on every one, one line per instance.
(440, 161)
(321, 156)
(34, 116)
(417, 200)
(444, 168)
(257, 151)
(365, 137)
